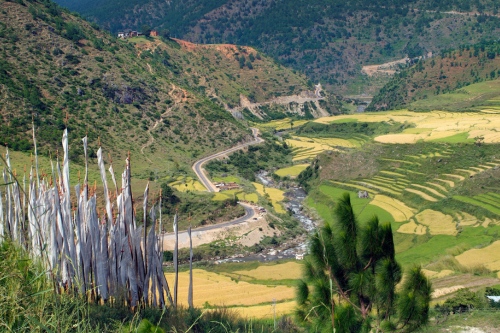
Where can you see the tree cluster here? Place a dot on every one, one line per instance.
(350, 279)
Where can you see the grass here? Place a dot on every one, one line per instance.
(28, 302)
(344, 120)
(478, 203)
(486, 320)
(456, 138)
(362, 207)
(282, 124)
(431, 248)
(229, 194)
(478, 96)
(227, 179)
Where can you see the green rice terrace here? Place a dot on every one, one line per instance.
(435, 176)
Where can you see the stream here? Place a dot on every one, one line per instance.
(290, 249)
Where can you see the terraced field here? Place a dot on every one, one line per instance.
(249, 299)
(185, 183)
(282, 124)
(248, 290)
(276, 196)
(488, 201)
(434, 126)
(309, 148)
(229, 194)
(439, 191)
(292, 171)
(436, 195)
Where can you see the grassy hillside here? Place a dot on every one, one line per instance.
(329, 41)
(228, 74)
(162, 100)
(57, 69)
(444, 82)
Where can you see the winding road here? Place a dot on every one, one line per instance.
(198, 166)
(200, 173)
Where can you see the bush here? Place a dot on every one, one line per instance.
(73, 32)
(463, 301)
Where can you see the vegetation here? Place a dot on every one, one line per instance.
(442, 81)
(150, 97)
(350, 279)
(323, 40)
(28, 303)
(350, 129)
(267, 156)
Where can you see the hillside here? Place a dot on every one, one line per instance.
(238, 77)
(158, 100)
(329, 41)
(442, 82)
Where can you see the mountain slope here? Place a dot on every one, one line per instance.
(244, 81)
(328, 40)
(445, 73)
(155, 99)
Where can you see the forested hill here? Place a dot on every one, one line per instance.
(151, 96)
(328, 40)
(445, 73)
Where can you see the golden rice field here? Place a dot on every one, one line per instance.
(466, 219)
(437, 222)
(421, 194)
(412, 228)
(371, 191)
(306, 148)
(398, 209)
(488, 256)
(184, 184)
(436, 275)
(282, 124)
(275, 195)
(250, 299)
(289, 270)
(429, 190)
(433, 125)
(292, 171)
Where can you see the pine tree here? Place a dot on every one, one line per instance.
(350, 278)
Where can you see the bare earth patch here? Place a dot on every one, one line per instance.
(247, 233)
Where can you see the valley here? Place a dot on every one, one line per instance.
(254, 145)
(433, 182)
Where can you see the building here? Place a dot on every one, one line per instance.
(153, 33)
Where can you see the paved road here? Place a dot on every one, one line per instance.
(198, 169)
(198, 166)
(249, 213)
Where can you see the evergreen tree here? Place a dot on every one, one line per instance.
(350, 279)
